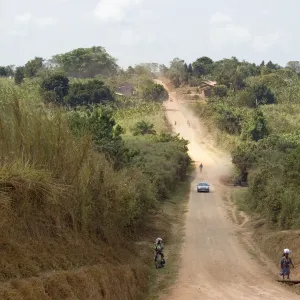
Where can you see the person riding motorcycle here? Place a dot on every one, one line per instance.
(158, 248)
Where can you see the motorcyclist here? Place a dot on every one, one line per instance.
(158, 248)
(285, 263)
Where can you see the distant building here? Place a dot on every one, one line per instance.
(206, 88)
(126, 89)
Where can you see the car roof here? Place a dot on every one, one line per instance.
(202, 183)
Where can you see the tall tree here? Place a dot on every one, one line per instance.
(294, 65)
(86, 62)
(19, 75)
(33, 66)
(203, 66)
(58, 84)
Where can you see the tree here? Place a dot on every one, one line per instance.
(294, 65)
(88, 92)
(86, 62)
(153, 91)
(220, 90)
(57, 83)
(6, 71)
(163, 70)
(190, 69)
(19, 75)
(3, 72)
(261, 94)
(33, 66)
(178, 72)
(224, 70)
(273, 66)
(243, 158)
(143, 128)
(255, 128)
(203, 66)
(106, 134)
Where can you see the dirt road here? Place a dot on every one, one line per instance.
(214, 264)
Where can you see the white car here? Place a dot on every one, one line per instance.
(203, 187)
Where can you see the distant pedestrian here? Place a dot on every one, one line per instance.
(286, 263)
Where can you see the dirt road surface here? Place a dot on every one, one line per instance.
(214, 263)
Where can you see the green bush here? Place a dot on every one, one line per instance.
(142, 128)
(86, 93)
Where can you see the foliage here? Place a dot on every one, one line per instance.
(153, 92)
(85, 93)
(143, 127)
(255, 127)
(86, 62)
(19, 75)
(220, 90)
(57, 83)
(6, 71)
(260, 94)
(202, 66)
(33, 66)
(268, 148)
(106, 134)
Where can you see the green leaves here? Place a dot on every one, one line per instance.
(57, 83)
(88, 92)
(143, 128)
(86, 62)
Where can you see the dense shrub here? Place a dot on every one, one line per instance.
(86, 93)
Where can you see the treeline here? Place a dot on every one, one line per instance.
(85, 76)
(257, 107)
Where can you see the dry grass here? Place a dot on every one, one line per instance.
(64, 212)
(170, 226)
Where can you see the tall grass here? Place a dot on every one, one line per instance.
(63, 207)
(40, 158)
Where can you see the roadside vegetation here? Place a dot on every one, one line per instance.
(83, 170)
(254, 111)
(256, 108)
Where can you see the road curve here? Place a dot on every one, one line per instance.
(214, 263)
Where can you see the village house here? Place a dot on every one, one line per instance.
(206, 88)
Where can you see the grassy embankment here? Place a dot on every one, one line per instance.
(169, 222)
(68, 219)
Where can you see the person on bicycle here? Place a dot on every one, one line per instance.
(201, 167)
(286, 263)
(158, 248)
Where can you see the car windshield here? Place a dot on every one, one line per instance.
(203, 184)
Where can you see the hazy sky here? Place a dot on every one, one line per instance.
(137, 31)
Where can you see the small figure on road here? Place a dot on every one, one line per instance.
(175, 122)
(188, 122)
(158, 248)
(286, 263)
(201, 167)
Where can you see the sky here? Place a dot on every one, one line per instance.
(136, 31)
